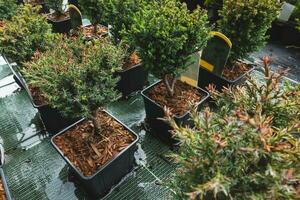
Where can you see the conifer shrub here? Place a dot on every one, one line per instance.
(56, 5)
(166, 34)
(26, 33)
(8, 9)
(245, 23)
(242, 151)
(77, 77)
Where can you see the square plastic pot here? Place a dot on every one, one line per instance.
(62, 26)
(284, 33)
(109, 175)
(206, 77)
(132, 79)
(5, 186)
(159, 128)
(53, 119)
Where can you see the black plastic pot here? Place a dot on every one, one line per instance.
(285, 33)
(154, 113)
(99, 184)
(132, 79)
(206, 77)
(62, 26)
(5, 186)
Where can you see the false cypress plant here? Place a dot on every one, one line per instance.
(8, 9)
(241, 152)
(165, 34)
(77, 77)
(245, 23)
(93, 10)
(57, 6)
(26, 33)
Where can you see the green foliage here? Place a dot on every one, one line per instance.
(246, 22)
(165, 34)
(239, 153)
(56, 5)
(118, 15)
(93, 9)
(26, 33)
(77, 77)
(8, 9)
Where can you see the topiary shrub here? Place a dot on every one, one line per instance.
(165, 34)
(246, 22)
(26, 33)
(8, 9)
(77, 77)
(238, 152)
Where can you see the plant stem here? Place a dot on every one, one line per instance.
(170, 84)
(96, 125)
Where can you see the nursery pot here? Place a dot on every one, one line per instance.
(5, 186)
(285, 33)
(154, 114)
(110, 174)
(60, 26)
(206, 77)
(52, 118)
(132, 79)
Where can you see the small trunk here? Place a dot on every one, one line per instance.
(170, 84)
(96, 126)
(95, 28)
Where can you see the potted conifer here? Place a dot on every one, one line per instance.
(99, 148)
(249, 147)
(117, 15)
(26, 33)
(166, 34)
(245, 23)
(59, 18)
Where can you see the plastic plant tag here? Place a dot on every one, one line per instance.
(286, 12)
(215, 55)
(76, 17)
(190, 76)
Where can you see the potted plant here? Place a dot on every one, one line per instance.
(117, 15)
(25, 34)
(59, 18)
(246, 149)
(99, 148)
(166, 34)
(245, 23)
(66, 52)
(8, 9)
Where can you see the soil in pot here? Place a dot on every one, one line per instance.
(87, 153)
(132, 61)
(180, 102)
(2, 191)
(37, 96)
(88, 31)
(54, 17)
(234, 71)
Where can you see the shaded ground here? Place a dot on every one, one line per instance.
(36, 171)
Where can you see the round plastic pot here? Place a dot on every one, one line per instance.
(132, 79)
(62, 26)
(5, 186)
(109, 175)
(206, 78)
(154, 114)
